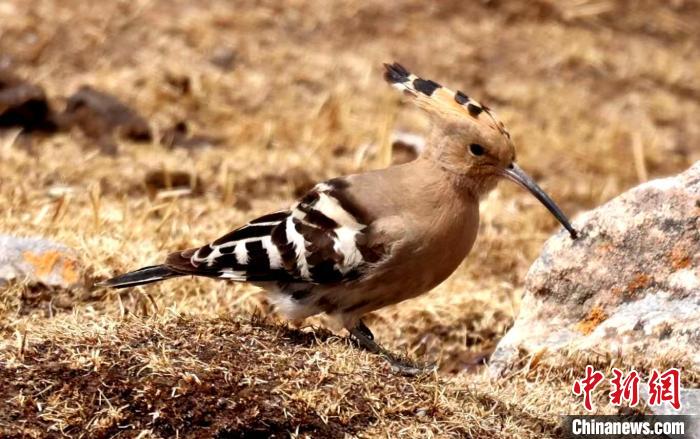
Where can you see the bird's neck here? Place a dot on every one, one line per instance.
(451, 179)
(432, 181)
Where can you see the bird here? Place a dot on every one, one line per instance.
(354, 244)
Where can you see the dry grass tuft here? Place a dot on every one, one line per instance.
(599, 96)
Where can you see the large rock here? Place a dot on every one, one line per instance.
(37, 261)
(630, 283)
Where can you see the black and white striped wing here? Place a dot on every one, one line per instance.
(247, 253)
(321, 239)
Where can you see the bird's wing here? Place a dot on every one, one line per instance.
(323, 239)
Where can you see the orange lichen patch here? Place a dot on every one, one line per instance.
(595, 317)
(641, 280)
(69, 271)
(604, 248)
(680, 258)
(45, 263)
(616, 292)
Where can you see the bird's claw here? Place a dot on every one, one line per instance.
(410, 370)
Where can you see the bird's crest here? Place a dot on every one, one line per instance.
(438, 100)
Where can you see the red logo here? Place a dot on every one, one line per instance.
(586, 385)
(626, 389)
(663, 387)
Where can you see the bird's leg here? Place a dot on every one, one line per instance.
(364, 337)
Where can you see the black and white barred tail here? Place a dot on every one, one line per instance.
(145, 275)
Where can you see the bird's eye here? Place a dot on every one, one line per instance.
(476, 149)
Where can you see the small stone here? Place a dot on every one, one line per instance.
(24, 104)
(630, 284)
(38, 261)
(100, 116)
(224, 58)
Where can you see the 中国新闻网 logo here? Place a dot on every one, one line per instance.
(662, 387)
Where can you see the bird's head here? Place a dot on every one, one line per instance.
(468, 140)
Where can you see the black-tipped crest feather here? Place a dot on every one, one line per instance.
(396, 73)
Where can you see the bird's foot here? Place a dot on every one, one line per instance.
(405, 368)
(365, 339)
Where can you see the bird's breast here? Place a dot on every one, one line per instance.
(431, 250)
(446, 240)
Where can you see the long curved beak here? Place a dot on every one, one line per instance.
(517, 175)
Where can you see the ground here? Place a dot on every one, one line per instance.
(598, 95)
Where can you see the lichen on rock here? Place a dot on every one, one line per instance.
(630, 283)
(38, 261)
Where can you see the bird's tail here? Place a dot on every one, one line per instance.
(142, 276)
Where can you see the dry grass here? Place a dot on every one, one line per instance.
(598, 95)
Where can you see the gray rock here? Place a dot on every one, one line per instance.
(37, 261)
(630, 283)
(690, 403)
(690, 406)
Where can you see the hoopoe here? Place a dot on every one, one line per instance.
(358, 243)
